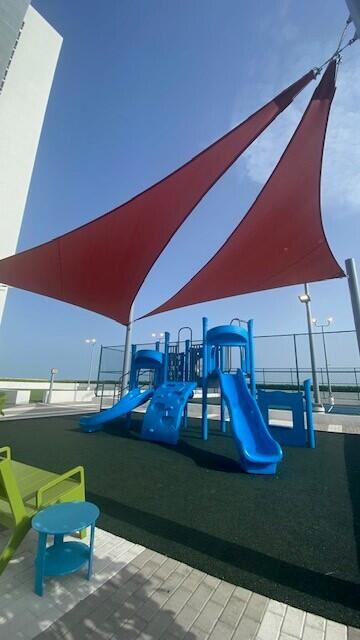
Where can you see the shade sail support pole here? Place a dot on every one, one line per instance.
(127, 353)
(317, 405)
(353, 283)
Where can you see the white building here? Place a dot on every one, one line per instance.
(29, 51)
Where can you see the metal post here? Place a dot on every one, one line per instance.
(309, 415)
(317, 405)
(251, 357)
(326, 365)
(354, 294)
(52, 376)
(186, 367)
(166, 356)
(204, 420)
(222, 400)
(127, 353)
(92, 345)
(296, 362)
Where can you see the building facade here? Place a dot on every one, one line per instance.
(29, 52)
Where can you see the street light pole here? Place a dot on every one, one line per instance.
(91, 342)
(305, 299)
(322, 326)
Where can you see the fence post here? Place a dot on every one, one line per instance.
(356, 383)
(296, 362)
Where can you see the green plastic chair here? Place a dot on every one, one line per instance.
(25, 490)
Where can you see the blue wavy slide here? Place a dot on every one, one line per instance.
(257, 449)
(133, 399)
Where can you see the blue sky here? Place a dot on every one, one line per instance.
(140, 88)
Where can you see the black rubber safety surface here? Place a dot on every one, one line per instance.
(293, 537)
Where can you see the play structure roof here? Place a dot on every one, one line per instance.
(101, 266)
(281, 239)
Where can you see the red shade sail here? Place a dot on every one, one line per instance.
(281, 240)
(102, 265)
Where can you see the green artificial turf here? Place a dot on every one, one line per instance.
(293, 537)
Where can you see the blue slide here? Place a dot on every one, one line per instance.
(258, 451)
(133, 399)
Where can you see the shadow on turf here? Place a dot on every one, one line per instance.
(202, 457)
(326, 587)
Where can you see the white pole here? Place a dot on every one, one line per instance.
(354, 294)
(49, 394)
(317, 406)
(127, 353)
(91, 363)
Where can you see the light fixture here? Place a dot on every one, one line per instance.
(304, 297)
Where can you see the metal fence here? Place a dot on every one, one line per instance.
(282, 361)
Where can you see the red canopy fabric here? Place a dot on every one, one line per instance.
(102, 265)
(281, 239)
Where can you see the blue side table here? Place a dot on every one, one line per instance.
(63, 557)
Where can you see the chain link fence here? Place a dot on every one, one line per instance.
(282, 362)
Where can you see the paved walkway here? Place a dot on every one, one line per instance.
(330, 422)
(136, 593)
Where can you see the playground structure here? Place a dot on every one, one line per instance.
(170, 388)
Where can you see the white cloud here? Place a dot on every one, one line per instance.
(340, 178)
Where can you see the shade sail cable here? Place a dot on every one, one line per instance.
(281, 240)
(101, 266)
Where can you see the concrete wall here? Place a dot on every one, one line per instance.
(23, 104)
(18, 392)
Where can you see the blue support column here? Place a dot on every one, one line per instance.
(186, 363)
(222, 401)
(204, 420)
(309, 414)
(166, 356)
(251, 358)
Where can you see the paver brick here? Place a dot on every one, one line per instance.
(277, 607)
(256, 607)
(211, 582)
(158, 624)
(317, 622)
(194, 579)
(209, 615)
(335, 631)
(270, 626)
(353, 634)
(177, 600)
(183, 621)
(233, 611)
(200, 597)
(242, 593)
(246, 629)
(293, 622)
(221, 631)
(312, 633)
(223, 592)
(195, 634)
